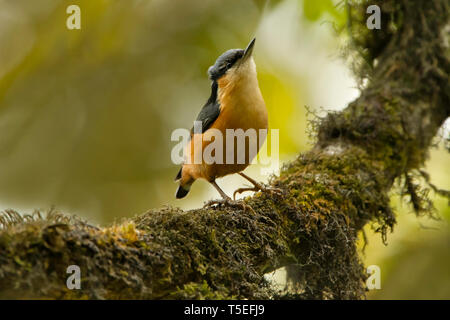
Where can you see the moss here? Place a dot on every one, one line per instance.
(199, 291)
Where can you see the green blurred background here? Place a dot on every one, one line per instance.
(86, 115)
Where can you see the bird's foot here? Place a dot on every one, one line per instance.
(259, 187)
(228, 202)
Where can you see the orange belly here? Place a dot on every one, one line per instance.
(242, 107)
(229, 154)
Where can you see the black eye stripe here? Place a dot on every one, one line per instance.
(226, 66)
(225, 62)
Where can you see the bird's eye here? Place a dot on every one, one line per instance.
(228, 65)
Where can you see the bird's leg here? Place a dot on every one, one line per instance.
(226, 200)
(222, 193)
(256, 184)
(256, 187)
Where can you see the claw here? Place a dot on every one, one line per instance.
(240, 190)
(273, 190)
(261, 188)
(230, 203)
(257, 187)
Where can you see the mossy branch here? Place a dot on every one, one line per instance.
(329, 194)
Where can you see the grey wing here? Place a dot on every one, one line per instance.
(209, 113)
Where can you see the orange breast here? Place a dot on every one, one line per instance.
(242, 107)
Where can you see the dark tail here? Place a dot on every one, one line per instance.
(182, 192)
(178, 177)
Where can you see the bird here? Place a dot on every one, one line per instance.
(236, 102)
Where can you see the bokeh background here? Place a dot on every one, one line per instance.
(86, 115)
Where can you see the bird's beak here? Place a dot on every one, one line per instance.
(248, 51)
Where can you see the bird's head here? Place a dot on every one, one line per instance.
(233, 65)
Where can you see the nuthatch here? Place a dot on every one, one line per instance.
(236, 102)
